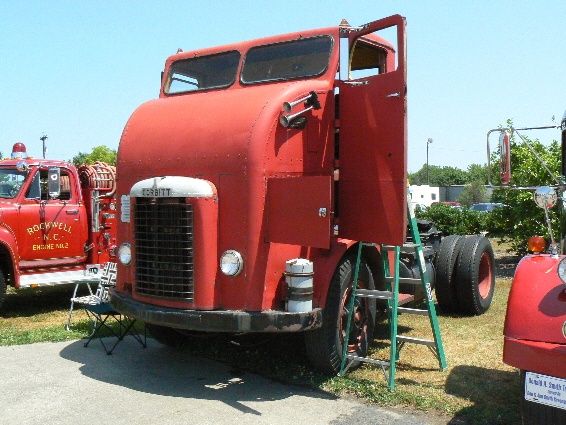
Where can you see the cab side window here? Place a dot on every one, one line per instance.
(38, 188)
(368, 59)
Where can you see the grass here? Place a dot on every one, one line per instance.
(30, 316)
(476, 387)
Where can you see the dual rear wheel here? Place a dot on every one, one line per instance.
(465, 279)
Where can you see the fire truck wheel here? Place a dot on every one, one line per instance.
(167, 336)
(475, 275)
(324, 345)
(445, 285)
(2, 288)
(539, 414)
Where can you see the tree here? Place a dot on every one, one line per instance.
(448, 176)
(438, 176)
(477, 173)
(473, 193)
(99, 153)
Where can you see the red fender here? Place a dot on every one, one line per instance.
(535, 324)
(9, 242)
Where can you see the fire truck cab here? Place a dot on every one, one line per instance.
(261, 164)
(56, 221)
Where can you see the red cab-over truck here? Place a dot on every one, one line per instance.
(57, 221)
(244, 188)
(535, 324)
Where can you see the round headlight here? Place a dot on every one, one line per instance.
(562, 270)
(125, 254)
(231, 263)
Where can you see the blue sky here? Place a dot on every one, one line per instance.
(76, 70)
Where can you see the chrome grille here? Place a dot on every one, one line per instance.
(164, 248)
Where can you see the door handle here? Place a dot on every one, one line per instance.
(72, 212)
(356, 83)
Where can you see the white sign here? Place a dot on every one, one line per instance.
(125, 208)
(545, 389)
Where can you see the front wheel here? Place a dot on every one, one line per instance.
(324, 345)
(2, 289)
(539, 414)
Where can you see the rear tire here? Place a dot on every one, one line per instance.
(167, 336)
(445, 286)
(324, 345)
(539, 414)
(475, 276)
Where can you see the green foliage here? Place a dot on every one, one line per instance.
(452, 221)
(522, 218)
(99, 153)
(438, 176)
(447, 176)
(473, 193)
(477, 173)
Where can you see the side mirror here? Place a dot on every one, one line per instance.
(545, 197)
(54, 182)
(504, 158)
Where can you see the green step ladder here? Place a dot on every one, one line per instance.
(391, 295)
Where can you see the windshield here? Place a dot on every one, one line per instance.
(201, 73)
(11, 181)
(286, 61)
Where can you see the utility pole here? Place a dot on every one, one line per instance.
(428, 142)
(44, 138)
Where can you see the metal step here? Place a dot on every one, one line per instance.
(368, 360)
(56, 278)
(374, 293)
(407, 280)
(408, 248)
(414, 340)
(416, 311)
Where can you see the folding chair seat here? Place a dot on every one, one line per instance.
(90, 299)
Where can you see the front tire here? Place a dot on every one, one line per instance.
(324, 345)
(539, 414)
(2, 289)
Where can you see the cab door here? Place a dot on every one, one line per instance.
(52, 228)
(372, 190)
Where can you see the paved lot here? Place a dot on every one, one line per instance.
(65, 383)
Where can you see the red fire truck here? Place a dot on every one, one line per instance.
(535, 324)
(244, 188)
(57, 222)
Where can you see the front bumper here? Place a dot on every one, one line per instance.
(535, 356)
(217, 320)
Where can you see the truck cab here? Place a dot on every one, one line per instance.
(254, 155)
(46, 229)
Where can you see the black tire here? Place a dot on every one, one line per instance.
(324, 345)
(475, 275)
(167, 336)
(445, 285)
(2, 289)
(539, 414)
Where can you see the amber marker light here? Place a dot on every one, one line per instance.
(536, 244)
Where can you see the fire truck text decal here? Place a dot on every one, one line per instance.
(51, 231)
